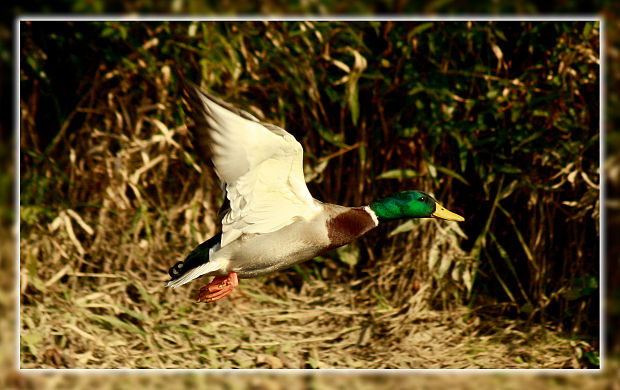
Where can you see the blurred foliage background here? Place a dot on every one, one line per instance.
(500, 120)
(332, 7)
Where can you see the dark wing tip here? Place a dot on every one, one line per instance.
(198, 126)
(193, 94)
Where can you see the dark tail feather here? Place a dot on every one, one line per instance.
(196, 258)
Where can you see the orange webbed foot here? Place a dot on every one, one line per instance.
(219, 287)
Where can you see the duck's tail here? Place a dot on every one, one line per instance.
(196, 264)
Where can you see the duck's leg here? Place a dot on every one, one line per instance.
(218, 288)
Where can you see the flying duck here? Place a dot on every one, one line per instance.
(269, 220)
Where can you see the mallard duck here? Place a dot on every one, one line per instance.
(269, 220)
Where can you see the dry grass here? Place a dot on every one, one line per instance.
(124, 319)
(316, 325)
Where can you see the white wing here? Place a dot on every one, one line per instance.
(260, 164)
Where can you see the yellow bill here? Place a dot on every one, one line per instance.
(443, 213)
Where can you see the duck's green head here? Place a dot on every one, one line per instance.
(412, 204)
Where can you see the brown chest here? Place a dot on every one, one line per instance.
(348, 225)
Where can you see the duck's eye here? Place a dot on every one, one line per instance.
(422, 199)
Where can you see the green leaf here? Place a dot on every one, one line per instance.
(593, 358)
(147, 297)
(31, 340)
(408, 132)
(500, 34)
(587, 30)
(507, 169)
(451, 173)
(349, 254)
(419, 29)
(305, 275)
(582, 286)
(492, 94)
(398, 174)
(527, 308)
(131, 313)
(333, 138)
(353, 102)
(115, 322)
(404, 227)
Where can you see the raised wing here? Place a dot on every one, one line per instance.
(261, 166)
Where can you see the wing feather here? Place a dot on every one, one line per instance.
(260, 164)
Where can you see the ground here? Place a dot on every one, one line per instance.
(121, 320)
(127, 323)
